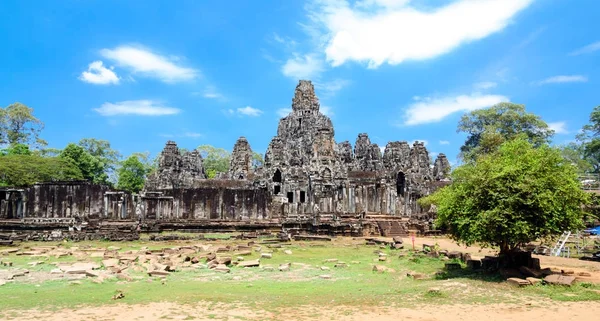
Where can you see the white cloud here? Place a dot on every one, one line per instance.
(287, 42)
(282, 112)
(388, 31)
(382, 3)
(136, 107)
(249, 111)
(326, 110)
(278, 38)
(144, 62)
(563, 79)
(485, 85)
(444, 142)
(99, 75)
(329, 88)
(433, 110)
(192, 135)
(211, 93)
(559, 127)
(587, 49)
(303, 67)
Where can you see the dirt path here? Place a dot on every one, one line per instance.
(560, 311)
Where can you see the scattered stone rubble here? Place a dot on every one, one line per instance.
(160, 263)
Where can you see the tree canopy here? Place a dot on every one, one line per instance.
(257, 160)
(16, 149)
(150, 165)
(132, 174)
(575, 154)
(101, 150)
(24, 170)
(91, 168)
(488, 128)
(589, 139)
(18, 125)
(511, 196)
(215, 160)
(108, 157)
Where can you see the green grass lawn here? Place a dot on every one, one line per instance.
(355, 285)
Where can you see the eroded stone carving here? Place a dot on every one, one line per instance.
(441, 167)
(306, 169)
(176, 169)
(367, 156)
(396, 156)
(240, 165)
(306, 176)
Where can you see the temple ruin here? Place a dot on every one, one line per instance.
(307, 181)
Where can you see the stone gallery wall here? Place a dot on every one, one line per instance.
(306, 175)
(213, 201)
(78, 199)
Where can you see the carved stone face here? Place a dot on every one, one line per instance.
(305, 145)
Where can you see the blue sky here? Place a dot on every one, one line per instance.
(138, 73)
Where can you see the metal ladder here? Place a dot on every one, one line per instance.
(560, 244)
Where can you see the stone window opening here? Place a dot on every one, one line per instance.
(290, 197)
(276, 189)
(302, 196)
(400, 183)
(277, 176)
(241, 177)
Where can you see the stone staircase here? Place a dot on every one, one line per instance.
(392, 228)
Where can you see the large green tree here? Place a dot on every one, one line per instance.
(150, 164)
(257, 160)
(590, 140)
(132, 174)
(488, 128)
(574, 153)
(48, 152)
(16, 149)
(18, 125)
(215, 160)
(509, 197)
(91, 167)
(102, 151)
(24, 170)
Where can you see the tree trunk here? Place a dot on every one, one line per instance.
(511, 257)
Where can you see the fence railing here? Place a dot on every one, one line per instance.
(590, 181)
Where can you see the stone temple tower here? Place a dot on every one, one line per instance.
(306, 174)
(240, 165)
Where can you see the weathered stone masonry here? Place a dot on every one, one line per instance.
(306, 176)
